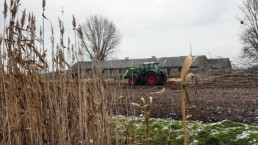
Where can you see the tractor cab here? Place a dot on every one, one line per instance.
(148, 66)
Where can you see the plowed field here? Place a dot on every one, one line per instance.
(216, 101)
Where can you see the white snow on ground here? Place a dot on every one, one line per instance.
(165, 127)
(214, 132)
(217, 122)
(190, 127)
(245, 134)
(138, 126)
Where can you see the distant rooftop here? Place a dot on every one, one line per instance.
(220, 63)
(164, 62)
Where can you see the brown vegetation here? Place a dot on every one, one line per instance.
(34, 110)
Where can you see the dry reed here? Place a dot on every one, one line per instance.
(36, 108)
(184, 95)
(147, 112)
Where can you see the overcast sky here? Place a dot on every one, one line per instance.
(160, 28)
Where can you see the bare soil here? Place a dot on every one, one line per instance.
(216, 101)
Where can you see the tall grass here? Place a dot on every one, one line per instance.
(38, 109)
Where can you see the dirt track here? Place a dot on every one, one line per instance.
(215, 102)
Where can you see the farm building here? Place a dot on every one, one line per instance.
(220, 63)
(254, 67)
(169, 65)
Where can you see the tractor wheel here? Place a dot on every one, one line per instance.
(152, 79)
(163, 79)
(132, 80)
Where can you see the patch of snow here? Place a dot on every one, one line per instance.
(245, 134)
(138, 126)
(246, 126)
(165, 128)
(217, 122)
(214, 132)
(179, 136)
(232, 128)
(194, 142)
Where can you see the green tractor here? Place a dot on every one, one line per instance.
(146, 74)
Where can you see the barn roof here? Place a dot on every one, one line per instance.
(220, 63)
(164, 62)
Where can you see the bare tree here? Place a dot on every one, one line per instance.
(249, 35)
(99, 37)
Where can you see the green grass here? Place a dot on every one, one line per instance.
(132, 130)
